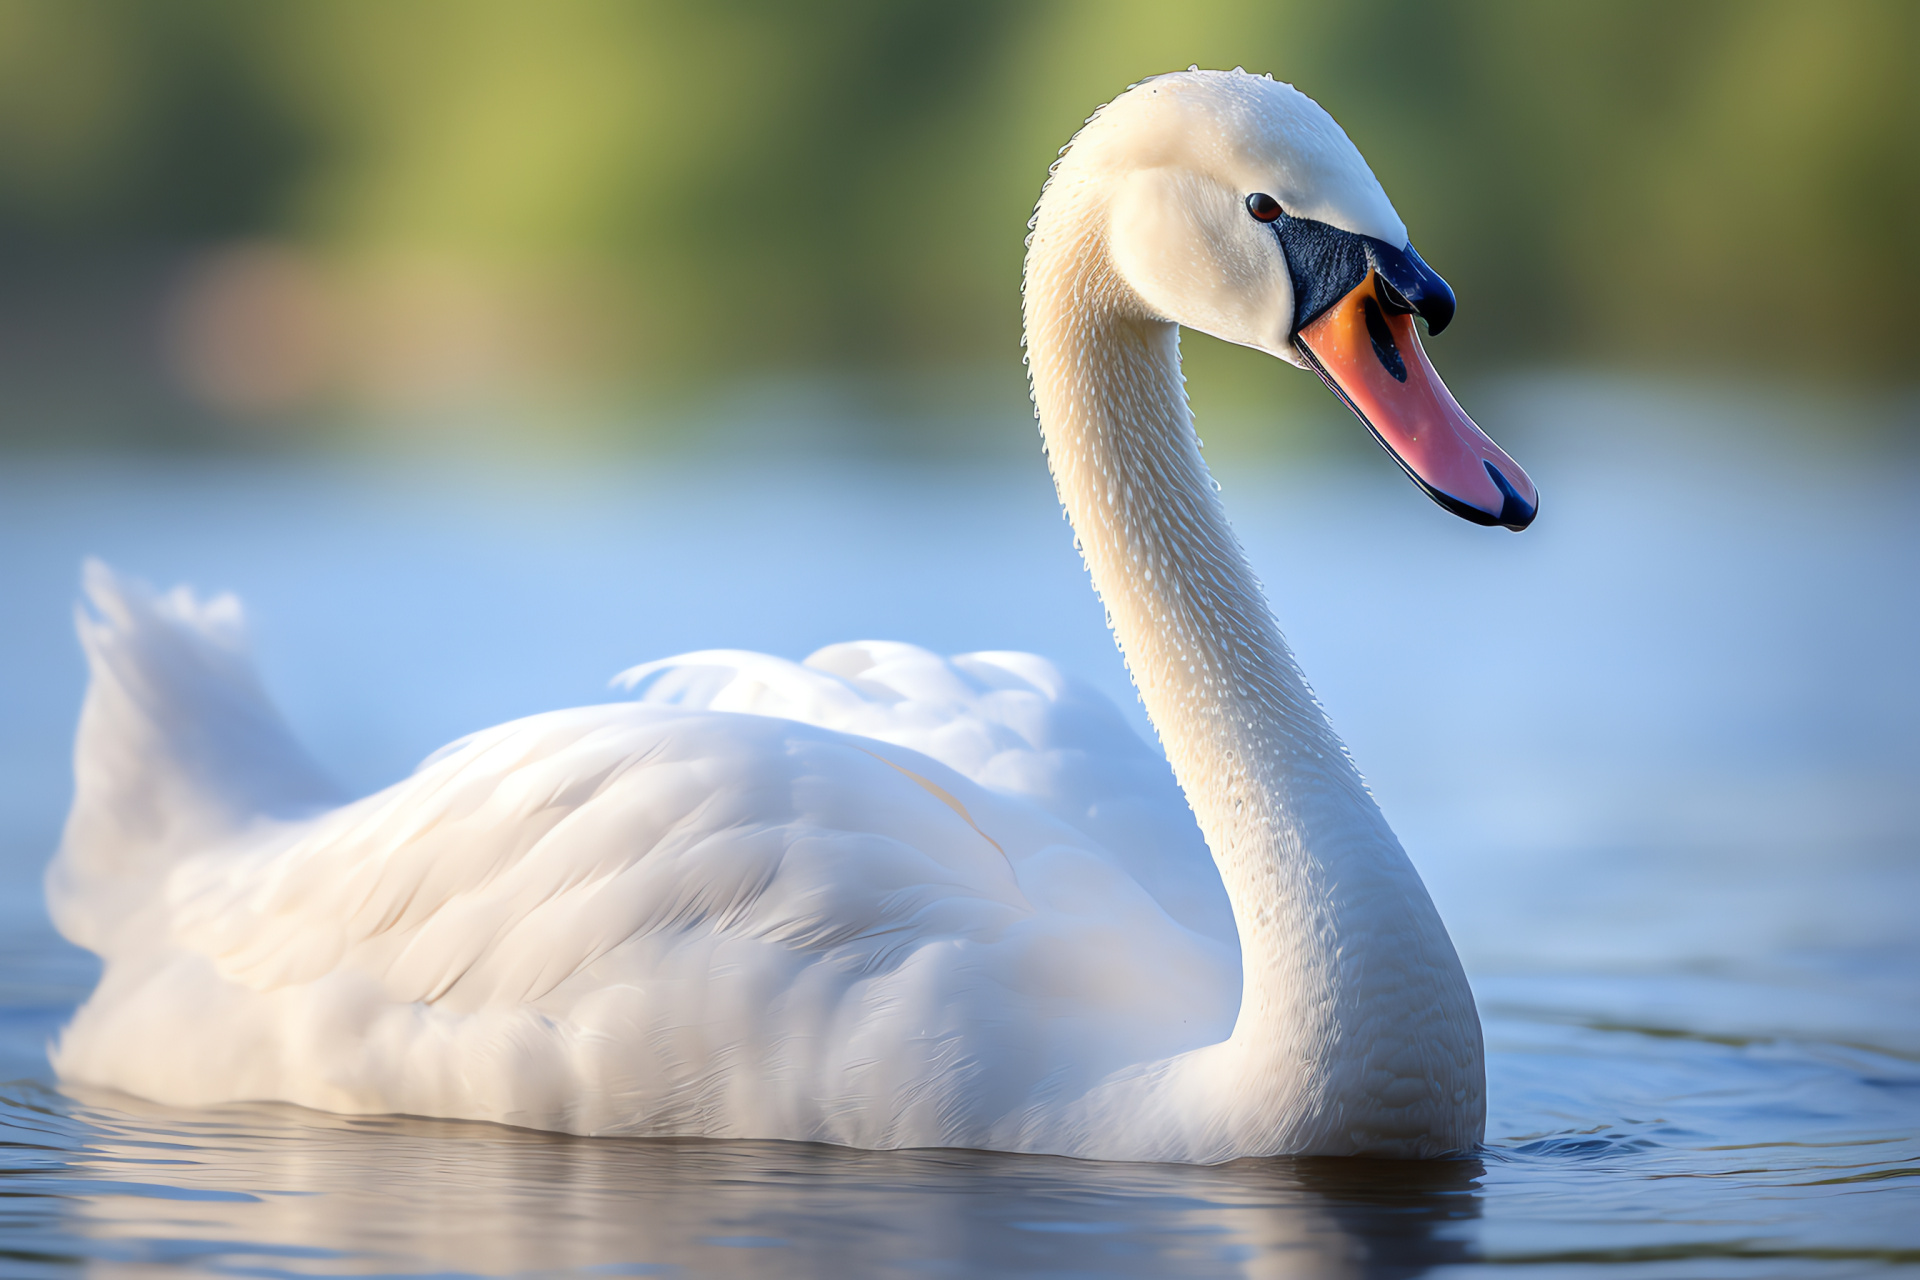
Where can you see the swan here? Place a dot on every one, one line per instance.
(878, 898)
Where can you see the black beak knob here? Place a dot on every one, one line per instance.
(1417, 286)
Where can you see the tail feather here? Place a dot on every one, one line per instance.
(178, 748)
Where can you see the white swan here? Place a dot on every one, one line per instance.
(879, 898)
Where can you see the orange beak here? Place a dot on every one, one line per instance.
(1365, 348)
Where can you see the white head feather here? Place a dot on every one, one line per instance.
(1173, 160)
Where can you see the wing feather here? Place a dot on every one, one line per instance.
(656, 918)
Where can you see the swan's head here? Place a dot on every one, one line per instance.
(1234, 205)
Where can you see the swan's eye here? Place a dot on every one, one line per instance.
(1263, 206)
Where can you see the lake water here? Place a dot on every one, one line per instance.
(1658, 759)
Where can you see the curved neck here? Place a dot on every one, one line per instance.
(1317, 880)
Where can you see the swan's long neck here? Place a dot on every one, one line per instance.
(1340, 943)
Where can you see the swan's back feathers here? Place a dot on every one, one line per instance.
(178, 748)
(509, 864)
(1011, 722)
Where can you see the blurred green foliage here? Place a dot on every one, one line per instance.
(744, 186)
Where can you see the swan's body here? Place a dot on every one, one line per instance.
(881, 899)
(648, 918)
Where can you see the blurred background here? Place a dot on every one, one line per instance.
(589, 224)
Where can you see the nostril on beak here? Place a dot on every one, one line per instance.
(1516, 513)
(1384, 347)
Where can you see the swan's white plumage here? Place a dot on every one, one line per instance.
(880, 898)
(1009, 721)
(649, 918)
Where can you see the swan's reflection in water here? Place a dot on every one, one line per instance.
(269, 1189)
